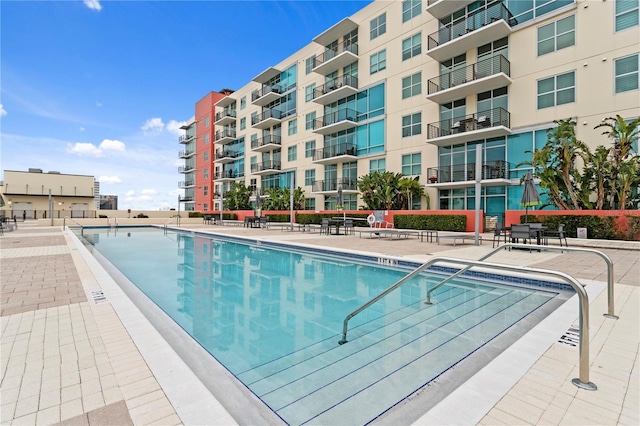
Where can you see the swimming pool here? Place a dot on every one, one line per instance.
(272, 316)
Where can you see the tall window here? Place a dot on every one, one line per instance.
(412, 85)
(626, 73)
(379, 165)
(411, 9)
(378, 62)
(309, 149)
(411, 46)
(309, 92)
(378, 26)
(412, 124)
(411, 164)
(206, 138)
(206, 156)
(293, 127)
(309, 177)
(557, 35)
(206, 121)
(626, 14)
(243, 102)
(206, 173)
(205, 190)
(243, 123)
(557, 90)
(309, 119)
(308, 64)
(292, 153)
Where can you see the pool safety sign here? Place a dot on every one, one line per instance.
(98, 297)
(571, 337)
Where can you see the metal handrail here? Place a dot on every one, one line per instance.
(64, 223)
(583, 328)
(610, 312)
(170, 219)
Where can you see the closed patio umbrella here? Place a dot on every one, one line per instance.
(340, 202)
(530, 196)
(258, 203)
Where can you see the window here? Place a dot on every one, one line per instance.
(411, 9)
(309, 149)
(206, 156)
(626, 72)
(412, 85)
(206, 173)
(379, 165)
(309, 177)
(243, 102)
(411, 46)
(206, 208)
(206, 138)
(557, 90)
(379, 26)
(309, 64)
(626, 14)
(292, 153)
(557, 35)
(206, 190)
(309, 120)
(378, 61)
(206, 121)
(254, 117)
(412, 124)
(309, 92)
(411, 164)
(309, 203)
(293, 127)
(243, 123)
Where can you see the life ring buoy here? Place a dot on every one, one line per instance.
(371, 219)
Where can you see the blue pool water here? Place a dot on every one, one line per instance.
(273, 317)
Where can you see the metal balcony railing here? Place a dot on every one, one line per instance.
(469, 123)
(329, 54)
(498, 169)
(226, 113)
(266, 89)
(184, 138)
(228, 174)
(186, 168)
(266, 165)
(226, 153)
(335, 117)
(335, 84)
(483, 68)
(269, 113)
(185, 154)
(333, 185)
(268, 139)
(475, 20)
(334, 151)
(185, 183)
(226, 133)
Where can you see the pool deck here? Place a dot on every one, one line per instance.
(76, 351)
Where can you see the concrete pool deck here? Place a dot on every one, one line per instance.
(76, 350)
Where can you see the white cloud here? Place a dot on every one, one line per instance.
(112, 145)
(130, 193)
(82, 129)
(85, 148)
(109, 179)
(149, 192)
(93, 4)
(153, 124)
(99, 104)
(3, 111)
(173, 126)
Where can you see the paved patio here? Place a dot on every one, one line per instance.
(75, 350)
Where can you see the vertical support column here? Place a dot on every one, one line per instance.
(478, 188)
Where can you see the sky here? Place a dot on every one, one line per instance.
(101, 87)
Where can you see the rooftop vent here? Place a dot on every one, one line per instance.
(54, 172)
(35, 170)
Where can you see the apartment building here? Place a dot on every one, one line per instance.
(416, 87)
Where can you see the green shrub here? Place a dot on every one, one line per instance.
(142, 216)
(598, 227)
(316, 218)
(196, 214)
(444, 222)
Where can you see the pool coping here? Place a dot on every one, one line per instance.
(466, 405)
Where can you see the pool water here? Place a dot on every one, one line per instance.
(273, 317)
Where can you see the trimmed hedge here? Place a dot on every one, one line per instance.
(438, 222)
(598, 227)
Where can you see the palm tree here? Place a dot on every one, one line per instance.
(410, 189)
(597, 174)
(237, 198)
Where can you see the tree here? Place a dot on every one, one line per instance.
(279, 199)
(410, 189)
(237, 198)
(388, 191)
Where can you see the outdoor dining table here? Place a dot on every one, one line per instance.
(252, 221)
(337, 223)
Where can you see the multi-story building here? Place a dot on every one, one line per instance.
(417, 86)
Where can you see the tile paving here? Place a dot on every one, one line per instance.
(67, 360)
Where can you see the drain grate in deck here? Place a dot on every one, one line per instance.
(98, 297)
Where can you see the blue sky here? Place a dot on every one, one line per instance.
(100, 87)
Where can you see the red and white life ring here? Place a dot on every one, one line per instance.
(371, 219)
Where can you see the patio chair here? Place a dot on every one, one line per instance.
(520, 232)
(559, 233)
(349, 227)
(324, 227)
(498, 234)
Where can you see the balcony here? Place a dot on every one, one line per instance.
(336, 58)
(186, 183)
(484, 26)
(225, 102)
(228, 175)
(267, 143)
(186, 198)
(224, 156)
(336, 89)
(187, 168)
(266, 95)
(494, 173)
(225, 117)
(482, 125)
(340, 153)
(330, 187)
(266, 168)
(268, 118)
(185, 138)
(335, 122)
(441, 8)
(185, 154)
(487, 74)
(225, 136)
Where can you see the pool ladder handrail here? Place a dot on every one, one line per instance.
(610, 296)
(582, 381)
(64, 223)
(169, 221)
